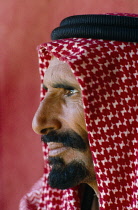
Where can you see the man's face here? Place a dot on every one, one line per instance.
(60, 121)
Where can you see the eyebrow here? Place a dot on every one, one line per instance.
(44, 87)
(60, 85)
(64, 86)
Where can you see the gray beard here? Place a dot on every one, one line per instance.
(66, 176)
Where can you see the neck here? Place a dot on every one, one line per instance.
(89, 199)
(93, 185)
(95, 203)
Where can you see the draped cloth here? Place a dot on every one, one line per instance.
(107, 73)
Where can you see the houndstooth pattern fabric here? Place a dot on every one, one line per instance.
(107, 74)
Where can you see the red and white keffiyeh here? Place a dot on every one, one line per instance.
(107, 73)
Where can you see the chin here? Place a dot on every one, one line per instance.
(64, 176)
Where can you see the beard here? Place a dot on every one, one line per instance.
(66, 176)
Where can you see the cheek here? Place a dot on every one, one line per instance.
(74, 113)
(77, 155)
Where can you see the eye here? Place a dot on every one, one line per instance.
(70, 92)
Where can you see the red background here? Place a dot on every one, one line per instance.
(23, 26)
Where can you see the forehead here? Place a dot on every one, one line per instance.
(59, 72)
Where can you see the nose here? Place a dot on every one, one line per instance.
(46, 117)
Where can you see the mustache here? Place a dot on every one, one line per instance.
(68, 139)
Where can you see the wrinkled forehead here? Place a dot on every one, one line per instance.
(59, 72)
(55, 62)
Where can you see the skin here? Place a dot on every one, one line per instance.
(61, 111)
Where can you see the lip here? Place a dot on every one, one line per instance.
(56, 148)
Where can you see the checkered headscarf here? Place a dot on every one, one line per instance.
(107, 74)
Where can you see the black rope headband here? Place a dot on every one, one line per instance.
(107, 27)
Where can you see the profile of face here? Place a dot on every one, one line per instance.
(61, 122)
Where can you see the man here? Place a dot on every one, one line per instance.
(87, 115)
(63, 128)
